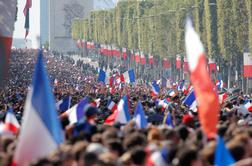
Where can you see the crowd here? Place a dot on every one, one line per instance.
(91, 143)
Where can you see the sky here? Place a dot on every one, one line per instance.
(19, 31)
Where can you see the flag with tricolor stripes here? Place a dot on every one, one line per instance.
(203, 86)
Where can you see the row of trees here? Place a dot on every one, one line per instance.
(157, 27)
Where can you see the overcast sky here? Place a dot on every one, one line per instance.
(19, 31)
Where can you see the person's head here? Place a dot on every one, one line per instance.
(188, 157)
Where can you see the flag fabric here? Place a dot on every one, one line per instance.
(178, 62)
(102, 76)
(8, 15)
(222, 156)
(11, 123)
(203, 86)
(123, 115)
(137, 57)
(168, 120)
(223, 97)
(155, 88)
(163, 103)
(124, 53)
(142, 60)
(110, 120)
(139, 117)
(64, 104)
(186, 67)
(112, 106)
(212, 65)
(41, 127)
(26, 12)
(247, 65)
(190, 101)
(248, 105)
(128, 76)
(76, 113)
(157, 158)
(171, 93)
(166, 63)
(151, 61)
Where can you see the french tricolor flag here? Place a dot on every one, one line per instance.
(155, 89)
(248, 105)
(112, 106)
(11, 123)
(76, 113)
(190, 101)
(171, 93)
(123, 115)
(203, 86)
(128, 76)
(41, 131)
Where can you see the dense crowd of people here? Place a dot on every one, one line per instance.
(91, 143)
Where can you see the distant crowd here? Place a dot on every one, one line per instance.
(92, 143)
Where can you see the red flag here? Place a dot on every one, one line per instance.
(166, 63)
(212, 65)
(203, 86)
(186, 68)
(124, 50)
(178, 62)
(247, 68)
(143, 60)
(8, 13)
(151, 61)
(137, 57)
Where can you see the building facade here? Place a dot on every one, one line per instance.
(61, 14)
(44, 22)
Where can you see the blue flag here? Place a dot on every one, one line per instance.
(222, 155)
(102, 76)
(139, 116)
(169, 121)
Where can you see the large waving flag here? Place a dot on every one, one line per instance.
(222, 155)
(11, 123)
(155, 88)
(41, 132)
(27, 16)
(8, 13)
(76, 113)
(139, 116)
(203, 86)
(123, 115)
